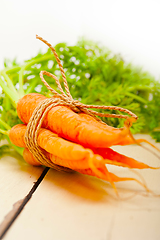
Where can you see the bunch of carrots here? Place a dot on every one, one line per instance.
(75, 140)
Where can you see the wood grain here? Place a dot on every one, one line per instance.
(74, 206)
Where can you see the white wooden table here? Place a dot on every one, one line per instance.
(75, 207)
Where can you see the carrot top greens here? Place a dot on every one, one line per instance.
(94, 75)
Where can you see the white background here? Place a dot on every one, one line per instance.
(131, 28)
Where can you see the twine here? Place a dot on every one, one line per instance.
(63, 99)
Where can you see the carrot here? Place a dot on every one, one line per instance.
(96, 123)
(108, 153)
(53, 144)
(68, 154)
(73, 155)
(125, 140)
(101, 173)
(29, 158)
(62, 152)
(69, 125)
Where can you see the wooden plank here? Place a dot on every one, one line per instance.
(74, 206)
(16, 180)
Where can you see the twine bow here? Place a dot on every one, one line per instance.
(63, 99)
(75, 104)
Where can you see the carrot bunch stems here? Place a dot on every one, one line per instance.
(11, 94)
(9, 89)
(6, 128)
(3, 132)
(9, 82)
(21, 73)
(4, 124)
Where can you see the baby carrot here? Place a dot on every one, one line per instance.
(71, 154)
(124, 140)
(108, 153)
(69, 125)
(96, 123)
(63, 152)
(53, 144)
(101, 172)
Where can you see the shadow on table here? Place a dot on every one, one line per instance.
(88, 187)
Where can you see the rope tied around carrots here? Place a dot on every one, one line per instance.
(63, 99)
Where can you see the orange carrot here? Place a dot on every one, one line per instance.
(31, 159)
(101, 172)
(108, 153)
(69, 125)
(125, 140)
(96, 123)
(70, 154)
(53, 144)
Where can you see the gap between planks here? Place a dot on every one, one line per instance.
(19, 205)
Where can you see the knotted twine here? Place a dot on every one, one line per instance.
(63, 99)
